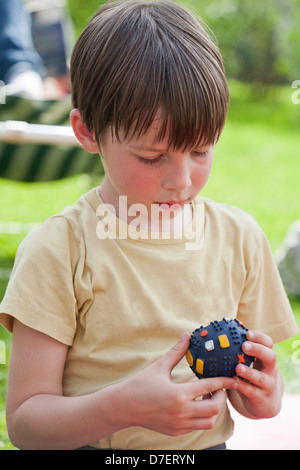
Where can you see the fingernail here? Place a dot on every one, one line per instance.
(185, 334)
(250, 335)
(247, 347)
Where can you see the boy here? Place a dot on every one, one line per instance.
(100, 293)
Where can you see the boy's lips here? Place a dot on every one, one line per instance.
(169, 204)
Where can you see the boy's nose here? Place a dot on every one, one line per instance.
(177, 177)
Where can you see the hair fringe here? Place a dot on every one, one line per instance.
(138, 57)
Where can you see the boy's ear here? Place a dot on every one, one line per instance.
(85, 137)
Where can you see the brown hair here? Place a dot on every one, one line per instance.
(136, 57)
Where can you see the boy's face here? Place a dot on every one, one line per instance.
(149, 172)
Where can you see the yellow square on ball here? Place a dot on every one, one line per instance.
(224, 341)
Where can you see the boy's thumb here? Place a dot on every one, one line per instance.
(178, 351)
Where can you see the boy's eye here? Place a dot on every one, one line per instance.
(157, 160)
(150, 161)
(200, 153)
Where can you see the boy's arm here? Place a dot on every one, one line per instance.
(39, 417)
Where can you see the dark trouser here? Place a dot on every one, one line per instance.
(218, 447)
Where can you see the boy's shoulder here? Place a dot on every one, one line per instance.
(230, 218)
(84, 208)
(226, 210)
(68, 226)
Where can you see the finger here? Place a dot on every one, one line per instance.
(174, 355)
(204, 413)
(261, 338)
(253, 378)
(247, 389)
(208, 407)
(196, 424)
(265, 355)
(205, 387)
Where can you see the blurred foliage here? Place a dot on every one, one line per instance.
(259, 40)
(81, 12)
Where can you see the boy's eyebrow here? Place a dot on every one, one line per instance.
(146, 148)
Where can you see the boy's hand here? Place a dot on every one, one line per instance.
(154, 401)
(260, 388)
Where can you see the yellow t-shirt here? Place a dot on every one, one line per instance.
(121, 298)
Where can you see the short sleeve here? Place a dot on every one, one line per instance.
(40, 292)
(264, 305)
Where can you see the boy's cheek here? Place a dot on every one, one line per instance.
(142, 184)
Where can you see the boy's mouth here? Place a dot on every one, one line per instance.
(172, 204)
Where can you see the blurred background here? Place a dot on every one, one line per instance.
(256, 167)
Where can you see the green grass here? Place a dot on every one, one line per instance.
(257, 163)
(256, 167)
